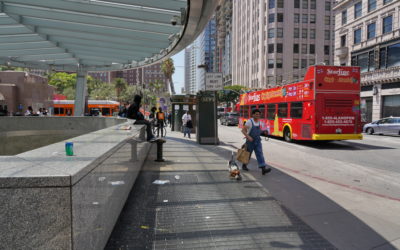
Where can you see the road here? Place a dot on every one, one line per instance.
(349, 191)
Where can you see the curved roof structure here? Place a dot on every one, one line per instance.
(94, 35)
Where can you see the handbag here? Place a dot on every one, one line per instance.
(243, 155)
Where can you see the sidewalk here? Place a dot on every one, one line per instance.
(202, 208)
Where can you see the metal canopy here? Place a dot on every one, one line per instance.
(95, 35)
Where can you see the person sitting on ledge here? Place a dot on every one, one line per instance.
(134, 113)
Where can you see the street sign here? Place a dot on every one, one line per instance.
(214, 81)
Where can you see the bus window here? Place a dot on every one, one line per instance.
(105, 111)
(262, 110)
(282, 110)
(296, 110)
(271, 111)
(245, 112)
(253, 107)
(58, 111)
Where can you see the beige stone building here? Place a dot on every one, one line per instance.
(275, 41)
(367, 34)
(18, 90)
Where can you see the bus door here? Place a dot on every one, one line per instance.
(337, 113)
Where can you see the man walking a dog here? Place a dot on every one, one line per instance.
(252, 131)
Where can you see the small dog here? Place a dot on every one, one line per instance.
(234, 171)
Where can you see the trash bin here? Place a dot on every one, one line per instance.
(207, 130)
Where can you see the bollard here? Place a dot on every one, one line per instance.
(160, 143)
(134, 154)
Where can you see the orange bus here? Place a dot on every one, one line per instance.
(66, 107)
(324, 106)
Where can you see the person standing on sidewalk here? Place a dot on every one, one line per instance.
(187, 124)
(252, 131)
(160, 115)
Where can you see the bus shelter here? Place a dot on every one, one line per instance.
(180, 104)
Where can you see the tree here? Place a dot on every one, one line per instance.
(104, 92)
(62, 81)
(129, 94)
(120, 85)
(231, 94)
(168, 69)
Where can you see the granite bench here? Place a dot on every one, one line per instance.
(53, 201)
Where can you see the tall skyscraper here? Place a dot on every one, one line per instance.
(367, 34)
(274, 41)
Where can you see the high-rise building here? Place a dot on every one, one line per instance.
(223, 55)
(367, 34)
(274, 42)
(188, 53)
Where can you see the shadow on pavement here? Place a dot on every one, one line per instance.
(238, 209)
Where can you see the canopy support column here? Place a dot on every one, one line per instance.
(81, 91)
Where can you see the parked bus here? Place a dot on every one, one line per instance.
(324, 106)
(66, 107)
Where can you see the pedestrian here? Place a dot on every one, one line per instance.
(169, 119)
(134, 113)
(187, 124)
(252, 131)
(160, 115)
(29, 111)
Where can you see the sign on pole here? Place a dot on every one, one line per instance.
(214, 81)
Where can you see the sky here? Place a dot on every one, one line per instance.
(179, 76)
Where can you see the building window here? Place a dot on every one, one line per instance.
(279, 63)
(357, 36)
(326, 50)
(271, 33)
(304, 48)
(344, 17)
(393, 55)
(311, 62)
(387, 1)
(357, 10)
(327, 20)
(312, 33)
(387, 24)
(304, 18)
(279, 32)
(279, 48)
(371, 61)
(362, 62)
(371, 5)
(280, 4)
(296, 4)
(271, 63)
(343, 41)
(305, 4)
(295, 63)
(382, 58)
(271, 18)
(371, 30)
(270, 48)
(296, 33)
(280, 17)
(312, 49)
(313, 4)
(327, 5)
(304, 33)
(312, 18)
(271, 4)
(296, 48)
(296, 18)
(327, 35)
(303, 63)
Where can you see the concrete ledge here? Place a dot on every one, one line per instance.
(51, 201)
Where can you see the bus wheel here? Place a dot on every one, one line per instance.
(370, 131)
(287, 135)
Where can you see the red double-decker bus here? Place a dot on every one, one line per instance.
(324, 106)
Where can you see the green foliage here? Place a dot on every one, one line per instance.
(231, 93)
(62, 81)
(104, 91)
(128, 94)
(11, 68)
(69, 93)
(120, 86)
(168, 69)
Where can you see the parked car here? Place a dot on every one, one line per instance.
(229, 118)
(389, 125)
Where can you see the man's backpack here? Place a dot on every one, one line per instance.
(160, 116)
